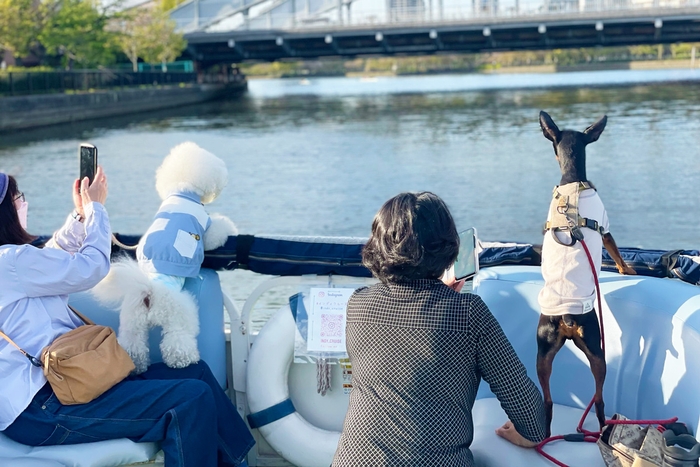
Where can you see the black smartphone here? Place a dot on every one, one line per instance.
(467, 264)
(88, 161)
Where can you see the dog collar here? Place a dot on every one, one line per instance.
(581, 187)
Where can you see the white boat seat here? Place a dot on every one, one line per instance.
(652, 340)
(101, 454)
(490, 450)
(212, 347)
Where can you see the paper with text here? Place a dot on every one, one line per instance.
(327, 319)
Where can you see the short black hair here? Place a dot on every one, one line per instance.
(413, 237)
(11, 231)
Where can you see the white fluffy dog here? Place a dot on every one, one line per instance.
(150, 291)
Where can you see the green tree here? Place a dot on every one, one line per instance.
(165, 43)
(134, 36)
(76, 30)
(167, 5)
(18, 26)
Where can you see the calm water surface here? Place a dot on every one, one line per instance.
(319, 157)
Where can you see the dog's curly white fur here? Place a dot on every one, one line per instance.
(144, 303)
(191, 168)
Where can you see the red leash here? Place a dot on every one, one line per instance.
(581, 434)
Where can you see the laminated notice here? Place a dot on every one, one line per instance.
(326, 331)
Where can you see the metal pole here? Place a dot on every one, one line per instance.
(293, 3)
(349, 13)
(692, 57)
(340, 11)
(196, 14)
(441, 10)
(430, 10)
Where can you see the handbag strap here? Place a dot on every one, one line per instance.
(32, 359)
(85, 319)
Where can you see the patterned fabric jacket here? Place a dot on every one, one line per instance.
(418, 351)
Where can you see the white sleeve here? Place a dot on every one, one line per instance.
(50, 271)
(69, 237)
(605, 223)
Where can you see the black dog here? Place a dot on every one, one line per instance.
(567, 299)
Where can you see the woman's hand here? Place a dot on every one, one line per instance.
(96, 192)
(78, 199)
(453, 283)
(508, 432)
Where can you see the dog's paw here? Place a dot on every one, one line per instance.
(218, 232)
(141, 362)
(179, 350)
(138, 352)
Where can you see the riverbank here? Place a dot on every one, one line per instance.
(24, 112)
(432, 65)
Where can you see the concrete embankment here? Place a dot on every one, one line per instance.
(23, 112)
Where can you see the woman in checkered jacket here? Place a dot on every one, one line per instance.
(419, 349)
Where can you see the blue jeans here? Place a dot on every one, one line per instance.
(183, 409)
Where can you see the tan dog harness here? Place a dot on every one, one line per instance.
(564, 215)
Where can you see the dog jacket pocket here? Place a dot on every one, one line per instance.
(185, 244)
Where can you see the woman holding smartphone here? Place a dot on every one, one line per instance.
(419, 348)
(183, 409)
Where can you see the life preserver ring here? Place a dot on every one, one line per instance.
(272, 412)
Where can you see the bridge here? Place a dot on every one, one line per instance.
(232, 31)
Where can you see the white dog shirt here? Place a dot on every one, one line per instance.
(569, 287)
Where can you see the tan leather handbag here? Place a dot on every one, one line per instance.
(83, 363)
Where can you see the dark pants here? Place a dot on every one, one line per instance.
(183, 409)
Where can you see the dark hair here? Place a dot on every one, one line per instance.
(11, 231)
(413, 237)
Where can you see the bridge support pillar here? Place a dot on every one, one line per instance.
(246, 19)
(293, 4)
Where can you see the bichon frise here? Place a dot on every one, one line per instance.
(150, 292)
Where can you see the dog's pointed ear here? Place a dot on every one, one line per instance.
(549, 128)
(594, 131)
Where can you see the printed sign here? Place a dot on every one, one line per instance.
(327, 319)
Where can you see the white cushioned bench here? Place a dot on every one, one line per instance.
(652, 331)
(212, 346)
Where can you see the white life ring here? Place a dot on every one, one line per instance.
(269, 360)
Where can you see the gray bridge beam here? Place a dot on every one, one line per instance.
(556, 32)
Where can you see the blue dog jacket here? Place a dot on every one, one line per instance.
(174, 243)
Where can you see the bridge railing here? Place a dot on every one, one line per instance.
(227, 15)
(23, 83)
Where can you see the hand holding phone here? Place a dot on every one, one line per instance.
(88, 161)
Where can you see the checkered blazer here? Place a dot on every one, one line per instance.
(418, 351)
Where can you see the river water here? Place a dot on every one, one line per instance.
(320, 156)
